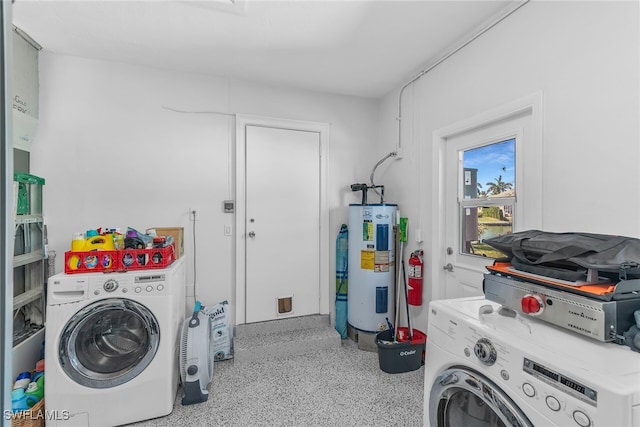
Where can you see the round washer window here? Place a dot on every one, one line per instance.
(461, 396)
(109, 343)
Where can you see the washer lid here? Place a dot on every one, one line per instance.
(108, 343)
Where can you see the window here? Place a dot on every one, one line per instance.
(488, 196)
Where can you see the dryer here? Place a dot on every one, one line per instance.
(112, 346)
(487, 366)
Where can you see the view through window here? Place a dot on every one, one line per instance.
(488, 200)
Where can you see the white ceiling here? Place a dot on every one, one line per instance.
(363, 48)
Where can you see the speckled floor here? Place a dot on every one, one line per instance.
(341, 386)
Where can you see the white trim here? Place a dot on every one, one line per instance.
(242, 121)
(532, 169)
(529, 103)
(6, 201)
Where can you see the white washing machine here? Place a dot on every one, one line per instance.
(487, 368)
(112, 346)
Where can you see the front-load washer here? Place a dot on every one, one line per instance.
(112, 346)
(487, 366)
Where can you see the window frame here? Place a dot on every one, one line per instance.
(481, 202)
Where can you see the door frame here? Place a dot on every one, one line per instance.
(6, 201)
(242, 121)
(532, 188)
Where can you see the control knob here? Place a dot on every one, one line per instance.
(485, 351)
(110, 285)
(532, 304)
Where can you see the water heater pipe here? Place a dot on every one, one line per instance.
(373, 171)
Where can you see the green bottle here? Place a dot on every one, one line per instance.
(35, 391)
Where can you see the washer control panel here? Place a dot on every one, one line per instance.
(561, 382)
(143, 284)
(555, 401)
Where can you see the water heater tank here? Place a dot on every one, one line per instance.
(371, 266)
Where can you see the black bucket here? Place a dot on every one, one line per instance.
(403, 355)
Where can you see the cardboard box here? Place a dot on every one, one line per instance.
(176, 232)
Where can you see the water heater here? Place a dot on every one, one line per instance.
(371, 266)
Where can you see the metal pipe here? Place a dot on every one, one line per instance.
(373, 171)
(480, 30)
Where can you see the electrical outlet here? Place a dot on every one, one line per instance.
(193, 212)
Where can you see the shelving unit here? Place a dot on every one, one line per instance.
(28, 258)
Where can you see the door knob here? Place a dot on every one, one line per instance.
(252, 234)
(448, 267)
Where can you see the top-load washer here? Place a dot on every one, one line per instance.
(112, 346)
(487, 366)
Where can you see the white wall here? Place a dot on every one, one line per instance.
(584, 58)
(113, 156)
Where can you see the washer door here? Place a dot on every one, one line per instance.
(463, 397)
(108, 343)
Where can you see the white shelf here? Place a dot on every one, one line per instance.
(20, 260)
(26, 297)
(27, 219)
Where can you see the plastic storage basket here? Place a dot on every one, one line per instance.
(34, 417)
(401, 356)
(27, 194)
(120, 260)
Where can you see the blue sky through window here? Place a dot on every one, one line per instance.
(491, 161)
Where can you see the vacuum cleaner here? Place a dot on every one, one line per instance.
(196, 356)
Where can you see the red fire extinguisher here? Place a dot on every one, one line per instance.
(415, 278)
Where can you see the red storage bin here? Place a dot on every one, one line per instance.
(91, 262)
(142, 259)
(120, 260)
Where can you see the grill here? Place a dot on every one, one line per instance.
(601, 310)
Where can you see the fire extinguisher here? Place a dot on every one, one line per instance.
(414, 296)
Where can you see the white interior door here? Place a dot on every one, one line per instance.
(467, 212)
(282, 223)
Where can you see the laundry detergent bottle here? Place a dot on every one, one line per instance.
(35, 392)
